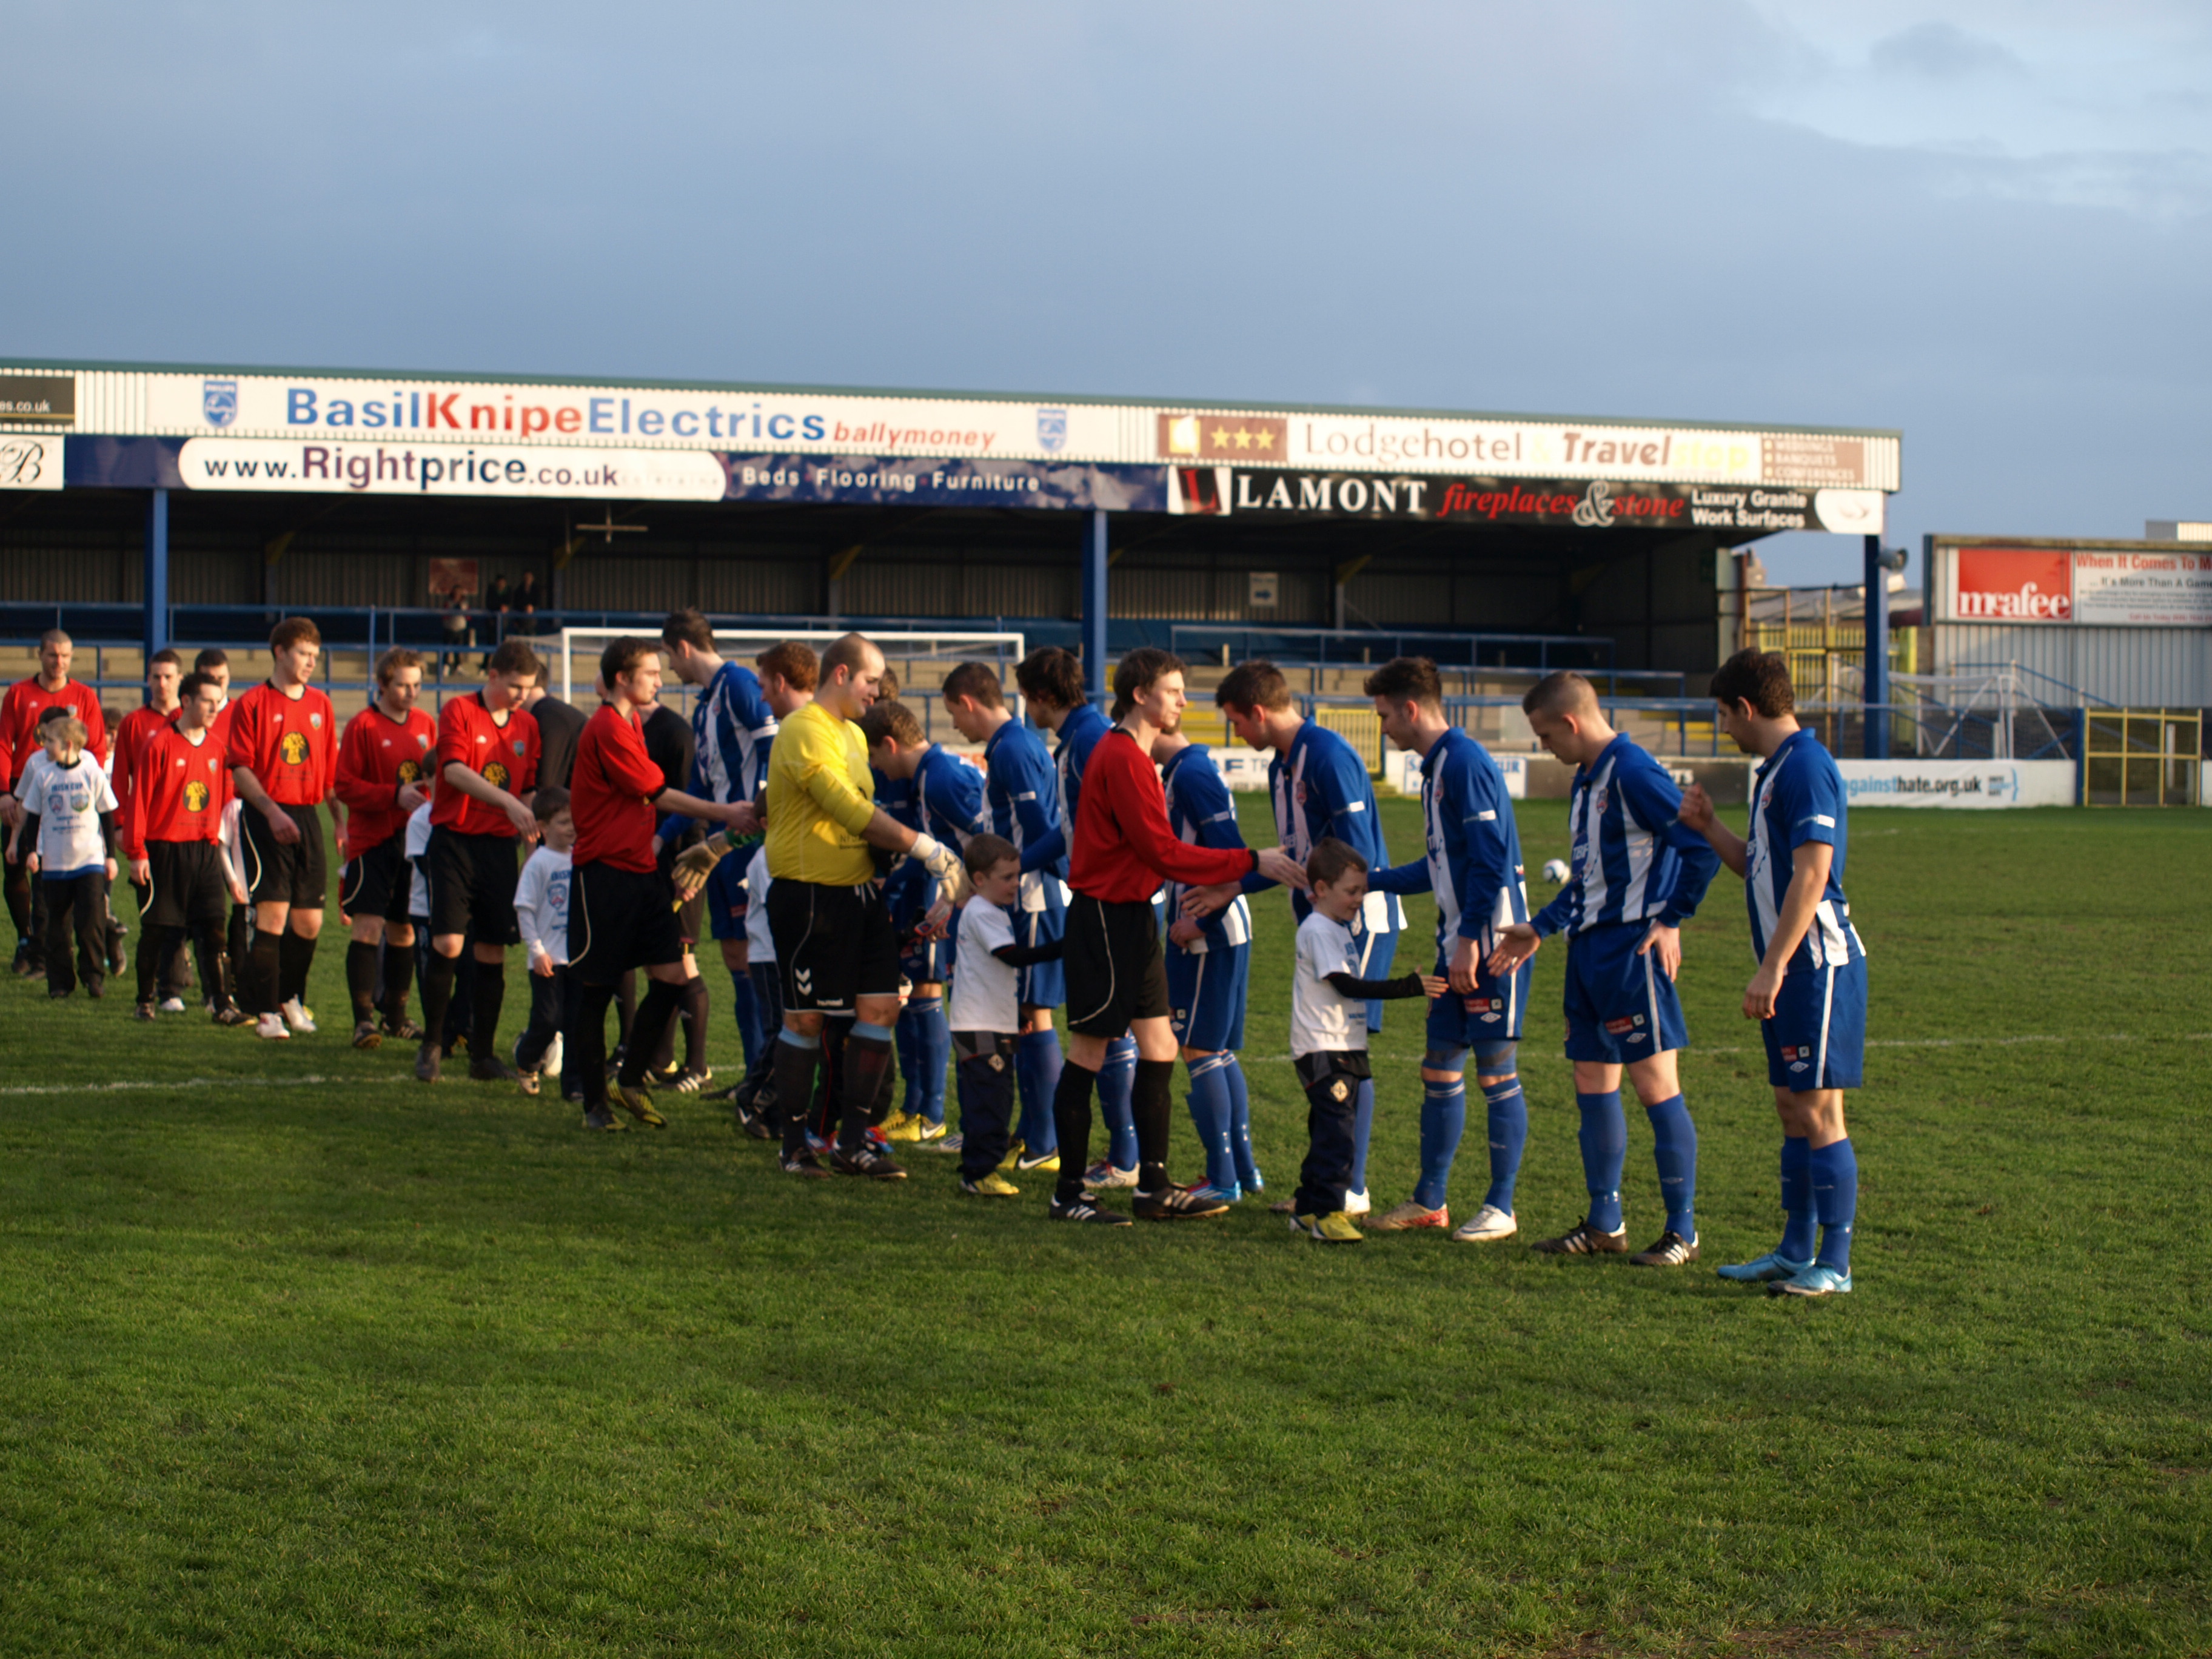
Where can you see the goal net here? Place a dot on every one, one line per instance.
(919, 658)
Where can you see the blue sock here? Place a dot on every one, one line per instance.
(1116, 1078)
(1240, 1125)
(1604, 1140)
(1675, 1147)
(1444, 1122)
(746, 1009)
(932, 1055)
(1210, 1109)
(1036, 1069)
(904, 1036)
(1797, 1227)
(1509, 1133)
(1835, 1170)
(1362, 1119)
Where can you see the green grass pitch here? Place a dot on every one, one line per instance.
(302, 1357)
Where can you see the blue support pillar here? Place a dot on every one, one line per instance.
(1095, 676)
(157, 571)
(1876, 654)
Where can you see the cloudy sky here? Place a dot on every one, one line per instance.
(1985, 223)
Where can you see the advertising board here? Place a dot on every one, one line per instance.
(1977, 785)
(2094, 586)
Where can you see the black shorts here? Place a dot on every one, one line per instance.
(375, 883)
(1116, 974)
(619, 919)
(186, 887)
(472, 886)
(833, 946)
(298, 875)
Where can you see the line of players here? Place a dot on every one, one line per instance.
(1641, 865)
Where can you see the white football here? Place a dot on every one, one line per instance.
(1556, 871)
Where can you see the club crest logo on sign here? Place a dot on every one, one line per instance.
(219, 402)
(293, 748)
(1052, 430)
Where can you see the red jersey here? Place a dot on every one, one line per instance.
(178, 790)
(377, 757)
(20, 710)
(290, 744)
(611, 793)
(139, 727)
(504, 755)
(1124, 845)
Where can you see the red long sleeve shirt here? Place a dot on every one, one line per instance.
(1124, 845)
(20, 710)
(138, 729)
(611, 793)
(377, 757)
(178, 790)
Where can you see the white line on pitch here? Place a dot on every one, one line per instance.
(309, 1081)
(1923, 1042)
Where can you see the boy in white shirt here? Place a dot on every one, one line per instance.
(541, 916)
(1328, 1036)
(984, 1011)
(68, 840)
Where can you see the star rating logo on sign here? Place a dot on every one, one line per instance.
(1223, 437)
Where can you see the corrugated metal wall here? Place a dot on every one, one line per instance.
(2135, 667)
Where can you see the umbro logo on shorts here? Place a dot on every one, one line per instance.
(1339, 1090)
(998, 1062)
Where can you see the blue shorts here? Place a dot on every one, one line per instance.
(1817, 1038)
(1621, 1007)
(1205, 995)
(1041, 984)
(1491, 1016)
(726, 896)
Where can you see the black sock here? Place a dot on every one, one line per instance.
(156, 946)
(1151, 1103)
(866, 1060)
(295, 956)
(214, 962)
(625, 1009)
(794, 1089)
(653, 1013)
(398, 975)
(585, 1040)
(1071, 1119)
(264, 962)
(695, 1024)
(483, 1028)
(437, 994)
(361, 980)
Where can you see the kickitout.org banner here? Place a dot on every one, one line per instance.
(300, 466)
(1585, 504)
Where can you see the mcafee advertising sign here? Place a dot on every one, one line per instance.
(2099, 586)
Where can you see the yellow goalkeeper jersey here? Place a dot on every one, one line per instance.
(821, 795)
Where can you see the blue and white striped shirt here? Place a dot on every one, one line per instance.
(1473, 862)
(1634, 860)
(1797, 796)
(1320, 788)
(733, 728)
(1202, 814)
